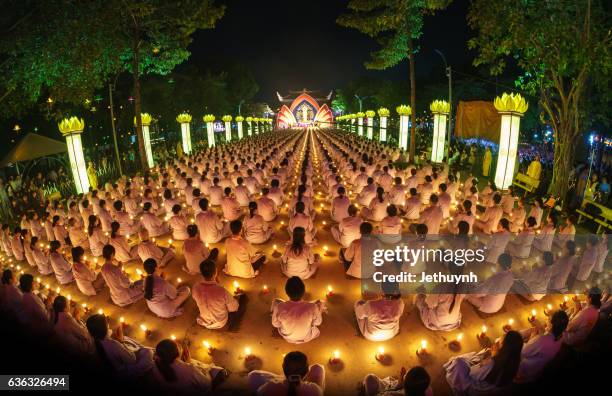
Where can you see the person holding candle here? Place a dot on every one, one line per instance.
(297, 321)
(563, 267)
(413, 206)
(478, 374)
(10, 295)
(415, 382)
(377, 209)
(390, 228)
(97, 238)
(351, 256)
(147, 249)
(153, 224)
(33, 312)
(533, 286)
(210, 226)
(299, 378)
(16, 244)
(229, 206)
(340, 205)
(368, 193)
(256, 229)
(348, 229)
(266, 206)
(69, 331)
(301, 219)
(61, 267)
(214, 302)
(520, 246)
(583, 321)
(178, 224)
(163, 299)
(243, 260)
(123, 292)
(544, 240)
(123, 355)
(378, 320)
(298, 258)
(76, 234)
(584, 267)
(123, 251)
(127, 226)
(87, 280)
(489, 296)
(174, 372)
(195, 251)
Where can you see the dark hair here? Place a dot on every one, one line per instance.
(295, 288)
(252, 208)
(571, 246)
(298, 241)
(192, 230)
(236, 227)
(59, 305)
(531, 221)
(149, 266)
(392, 210)
(594, 294)
(549, 258)
(7, 275)
(507, 360)
(77, 253)
(97, 326)
(108, 251)
(115, 228)
(91, 220)
(166, 352)
(559, 321)
(147, 206)
(300, 207)
(208, 268)
(176, 208)
(352, 210)
(416, 381)
(295, 368)
(26, 282)
(505, 260)
(365, 228)
(464, 227)
(54, 245)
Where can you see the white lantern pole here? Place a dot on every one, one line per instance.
(383, 113)
(146, 136)
(209, 119)
(404, 112)
(256, 126)
(440, 110)
(370, 122)
(249, 121)
(511, 108)
(353, 123)
(72, 128)
(239, 120)
(227, 119)
(360, 116)
(184, 119)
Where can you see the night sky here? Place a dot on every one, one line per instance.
(292, 45)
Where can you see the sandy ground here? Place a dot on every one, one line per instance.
(338, 332)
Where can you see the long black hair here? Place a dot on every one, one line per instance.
(59, 305)
(91, 220)
(149, 266)
(166, 352)
(115, 228)
(97, 326)
(298, 241)
(295, 368)
(507, 360)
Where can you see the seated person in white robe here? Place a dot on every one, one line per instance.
(377, 209)
(174, 372)
(10, 295)
(33, 315)
(367, 194)
(397, 194)
(584, 320)
(563, 267)
(195, 251)
(489, 296)
(210, 226)
(348, 229)
(77, 234)
(390, 228)
(297, 321)
(414, 382)
(256, 229)
(413, 206)
(127, 225)
(543, 240)
(432, 216)
(566, 232)
(340, 204)
(178, 224)
(123, 292)
(123, 251)
(230, 207)
(300, 219)
(41, 260)
(444, 200)
(537, 211)
(520, 247)
(541, 347)
(214, 302)
(153, 224)
(378, 319)
(61, 267)
(243, 260)
(97, 238)
(589, 259)
(148, 249)
(477, 374)
(88, 281)
(298, 258)
(69, 331)
(126, 357)
(163, 299)
(242, 192)
(490, 219)
(533, 284)
(266, 207)
(215, 193)
(299, 378)
(518, 216)
(351, 256)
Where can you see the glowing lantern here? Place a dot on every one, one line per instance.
(440, 110)
(370, 114)
(227, 119)
(383, 113)
(71, 129)
(210, 129)
(511, 108)
(146, 119)
(239, 120)
(249, 121)
(184, 119)
(404, 112)
(360, 116)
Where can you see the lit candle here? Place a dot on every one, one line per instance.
(265, 289)
(237, 289)
(69, 297)
(138, 272)
(84, 306)
(533, 315)
(508, 326)
(153, 239)
(563, 305)
(58, 290)
(100, 311)
(548, 310)
(330, 291)
(325, 249)
(483, 332)
(145, 329)
(423, 348)
(248, 354)
(179, 280)
(380, 354)
(324, 222)
(172, 337)
(122, 321)
(208, 347)
(335, 357)
(170, 242)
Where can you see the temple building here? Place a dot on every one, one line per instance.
(300, 108)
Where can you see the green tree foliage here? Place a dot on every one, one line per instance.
(563, 48)
(396, 24)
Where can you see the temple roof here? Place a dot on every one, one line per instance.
(292, 95)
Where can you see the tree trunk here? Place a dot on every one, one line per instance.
(563, 162)
(137, 103)
(412, 101)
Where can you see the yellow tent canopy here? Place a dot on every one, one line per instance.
(33, 146)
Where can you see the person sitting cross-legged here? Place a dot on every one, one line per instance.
(213, 300)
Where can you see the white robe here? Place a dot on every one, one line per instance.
(347, 230)
(490, 295)
(535, 355)
(167, 299)
(297, 321)
(302, 265)
(240, 255)
(194, 252)
(211, 228)
(378, 320)
(122, 291)
(256, 229)
(214, 303)
(62, 268)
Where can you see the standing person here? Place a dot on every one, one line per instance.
(123, 292)
(163, 299)
(486, 162)
(214, 302)
(299, 378)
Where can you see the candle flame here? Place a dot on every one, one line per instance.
(459, 336)
(423, 344)
(484, 329)
(510, 322)
(143, 327)
(336, 354)
(247, 351)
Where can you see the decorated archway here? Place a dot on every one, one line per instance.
(304, 110)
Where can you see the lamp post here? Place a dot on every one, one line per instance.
(383, 113)
(256, 125)
(227, 119)
(440, 109)
(360, 99)
(450, 98)
(71, 129)
(370, 122)
(239, 120)
(511, 108)
(209, 119)
(249, 121)
(146, 119)
(184, 119)
(404, 112)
